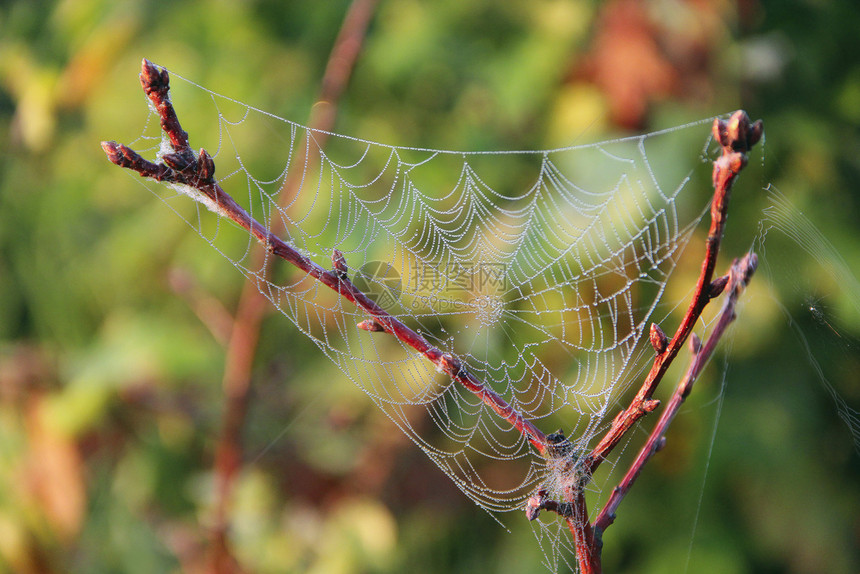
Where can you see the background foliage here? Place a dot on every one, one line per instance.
(113, 317)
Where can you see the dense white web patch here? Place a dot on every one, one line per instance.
(540, 270)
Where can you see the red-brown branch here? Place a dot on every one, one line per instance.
(194, 175)
(738, 276)
(583, 535)
(736, 135)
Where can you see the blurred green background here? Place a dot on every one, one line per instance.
(110, 394)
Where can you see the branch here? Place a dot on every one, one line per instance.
(738, 278)
(737, 136)
(194, 176)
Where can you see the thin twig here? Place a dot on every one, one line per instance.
(739, 276)
(737, 136)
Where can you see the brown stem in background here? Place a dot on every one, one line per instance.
(252, 306)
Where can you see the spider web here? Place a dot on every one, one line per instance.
(540, 270)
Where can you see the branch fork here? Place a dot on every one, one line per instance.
(193, 174)
(737, 136)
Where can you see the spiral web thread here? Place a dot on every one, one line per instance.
(540, 270)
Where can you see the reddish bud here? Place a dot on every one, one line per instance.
(650, 405)
(717, 286)
(535, 503)
(174, 161)
(370, 325)
(205, 167)
(738, 134)
(338, 263)
(153, 78)
(659, 340)
(111, 148)
(695, 343)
